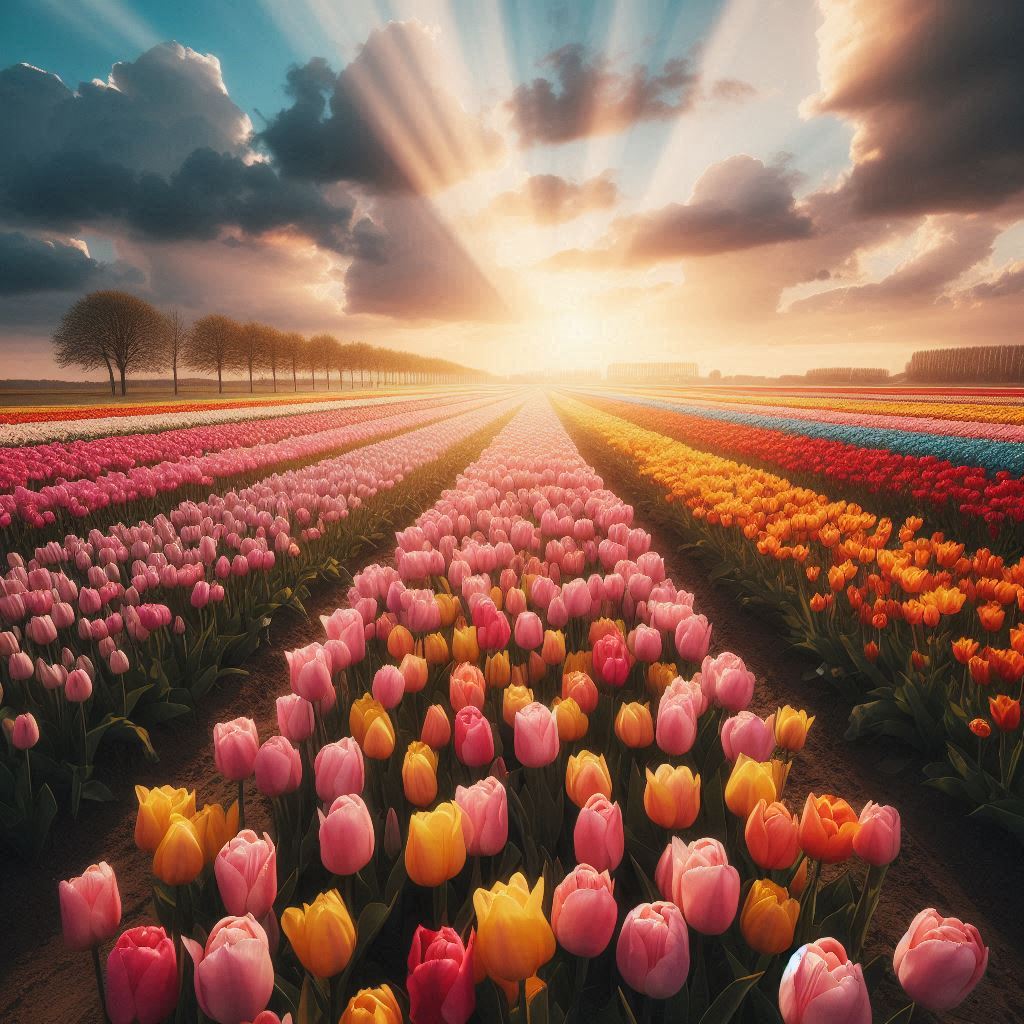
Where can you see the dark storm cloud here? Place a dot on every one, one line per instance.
(936, 91)
(386, 120)
(29, 265)
(550, 199)
(586, 96)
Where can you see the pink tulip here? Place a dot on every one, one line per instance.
(20, 666)
(24, 732)
(693, 638)
(309, 672)
(877, 840)
(646, 644)
(78, 687)
(745, 733)
(142, 977)
(676, 726)
(466, 687)
(535, 736)
(939, 960)
(118, 662)
(339, 770)
(700, 881)
(246, 870)
(90, 907)
(295, 717)
(346, 836)
(234, 976)
(414, 673)
(821, 986)
(728, 679)
(484, 808)
(235, 744)
(611, 660)
(583, 911)
(598, 837)
(529, 631)
(440, 983)
(388, 686)
(278, 768)
(41, 630)
(474, 741)
(269, 1017)
(653, 951)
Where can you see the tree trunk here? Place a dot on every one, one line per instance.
(250, 378)
(295, 378)
(313, 373)
(273, 370)
(220, 382)
(113, 386)
(123, 391)
(174, 368)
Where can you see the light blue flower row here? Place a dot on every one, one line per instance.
(962, 451)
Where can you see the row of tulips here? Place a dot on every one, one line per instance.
(971, 405)
(511, 782)
(925, 638)
(107, 635)
(33, 424)
(943, 444)
(25, 464)
(65, 505)
(954, 498)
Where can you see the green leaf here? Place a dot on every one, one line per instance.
(725, 1007)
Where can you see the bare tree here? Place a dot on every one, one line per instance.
(320, 349)
(175, 338)
(212, 346)
(112, 329)
(250, 348)
(293, 347)
(274, 350)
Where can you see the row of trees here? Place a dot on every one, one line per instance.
(1000, 364)
(125, 334)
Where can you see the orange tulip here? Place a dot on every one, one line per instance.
(827, 828)
(1005, 712)
(964, 649)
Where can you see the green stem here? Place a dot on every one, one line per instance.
(99, 982)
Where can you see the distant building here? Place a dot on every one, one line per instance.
(997, 364)
(652, 372)
(847, 375)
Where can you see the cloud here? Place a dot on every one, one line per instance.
(550, 199)
(736, 204)
(387, 120)
(947, 247)
(30, 265)
(935, 92)
(732, 90)
(586, 96)
(409, 265)
(149, 115)
(1010, 282)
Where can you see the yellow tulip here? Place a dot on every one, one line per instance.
(513, 938)
(371, 727)
(586, 773)
(464, 645)
(372, 1006)
(749, 782)
(449, 607)
(155, 809)
(322, 934)
(497, 597)
(578, 661)
(436, 848)
(659, 675)
(179, 857)
(215, 828)
(553, 651)
(791, 728)
(419, 774)
(435, 649)
(572, 723)
(514, 699)
(497, 670)
(769, 916)
(634, 725)
(672, 796)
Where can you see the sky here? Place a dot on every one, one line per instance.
(759, 186)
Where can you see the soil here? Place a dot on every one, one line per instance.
(961, 867)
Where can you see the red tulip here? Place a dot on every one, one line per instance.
(440, 983)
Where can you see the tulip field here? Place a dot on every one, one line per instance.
(507, 771)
